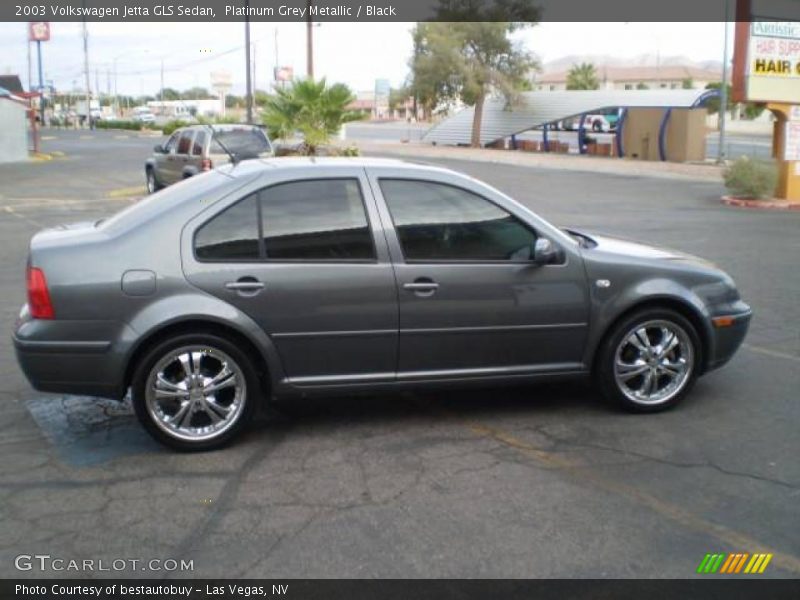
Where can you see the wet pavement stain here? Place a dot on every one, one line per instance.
(87, 431)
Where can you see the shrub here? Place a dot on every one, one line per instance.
(748, 178)
(119, 124)
(170, 126)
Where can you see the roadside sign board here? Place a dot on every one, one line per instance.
(773, 62)
(39, 31)
(766, 53)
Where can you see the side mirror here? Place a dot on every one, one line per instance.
(544, 252)
(158, 149)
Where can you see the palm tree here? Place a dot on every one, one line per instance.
(313, 108)
(582, 77)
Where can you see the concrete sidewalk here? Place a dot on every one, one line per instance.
(564, 162)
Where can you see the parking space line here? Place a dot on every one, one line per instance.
(773, 353)
(11, 211)
(666, 509)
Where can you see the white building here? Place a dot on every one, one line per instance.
(183, 109)
(664, 77)
(13, 127)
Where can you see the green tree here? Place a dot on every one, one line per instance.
(169, 94)
(687, 84)
(582, 77)
(642, 86)
(196, 93)
(313, 108)
(713, 103)
(260, 98)
(467, 61)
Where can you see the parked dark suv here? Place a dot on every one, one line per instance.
(192, 150)
(299, 276)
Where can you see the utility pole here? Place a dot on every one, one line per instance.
(723, 90)
(309, 42)
(86, 69)
(247, 62)
(30, 67)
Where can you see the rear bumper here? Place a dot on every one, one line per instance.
(727, 339)
(70, 357)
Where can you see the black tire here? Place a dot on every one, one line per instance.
(152, 183)
(604, 367)
(249, 398)
(597, 127)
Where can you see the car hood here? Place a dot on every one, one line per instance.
(633, 249)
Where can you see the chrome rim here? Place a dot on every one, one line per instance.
(195, 393)
(653, 362)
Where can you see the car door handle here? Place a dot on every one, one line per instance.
(245, 285)
(422, 287)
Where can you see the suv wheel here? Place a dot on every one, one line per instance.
(597, 126)
(152, 183)
(649, 361)
(194, 391)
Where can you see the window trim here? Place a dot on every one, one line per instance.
(451, 261)
(263, 258)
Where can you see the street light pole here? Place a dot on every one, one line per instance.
(723, 91)
(247, 63)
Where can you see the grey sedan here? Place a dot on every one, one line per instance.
(280, 277)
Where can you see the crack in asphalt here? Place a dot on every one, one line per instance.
(228, 494)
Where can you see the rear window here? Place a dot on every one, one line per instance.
(200, 188)
(244, 142)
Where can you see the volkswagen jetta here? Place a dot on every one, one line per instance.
(276, 277)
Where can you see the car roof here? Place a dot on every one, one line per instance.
(311, 163)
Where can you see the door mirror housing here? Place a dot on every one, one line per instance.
(159, 149)
(544, 252)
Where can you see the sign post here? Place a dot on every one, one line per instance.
(39, 32)
(766, 69)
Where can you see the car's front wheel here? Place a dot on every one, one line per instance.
(194, 391)
(649, 361)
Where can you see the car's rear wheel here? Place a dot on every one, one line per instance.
(597, 126)
(649, 361)
(194, 391)
(152, 183)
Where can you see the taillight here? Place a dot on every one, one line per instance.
(206, 164)
(38, 295)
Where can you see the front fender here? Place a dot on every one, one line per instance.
(609, 305)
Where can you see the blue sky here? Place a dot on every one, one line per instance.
(354, 53)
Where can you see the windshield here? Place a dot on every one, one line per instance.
(243, 142)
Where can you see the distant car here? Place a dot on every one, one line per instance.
(143, 115)
(197, 148)
(289, 276)
(600, 122)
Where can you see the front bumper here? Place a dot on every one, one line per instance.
(728, 334)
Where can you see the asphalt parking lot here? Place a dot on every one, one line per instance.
(535, 481)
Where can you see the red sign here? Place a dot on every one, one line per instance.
(39, 31)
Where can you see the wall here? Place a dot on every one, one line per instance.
(13, 131)
(685, 134)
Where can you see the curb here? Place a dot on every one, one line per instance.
(760, 204)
